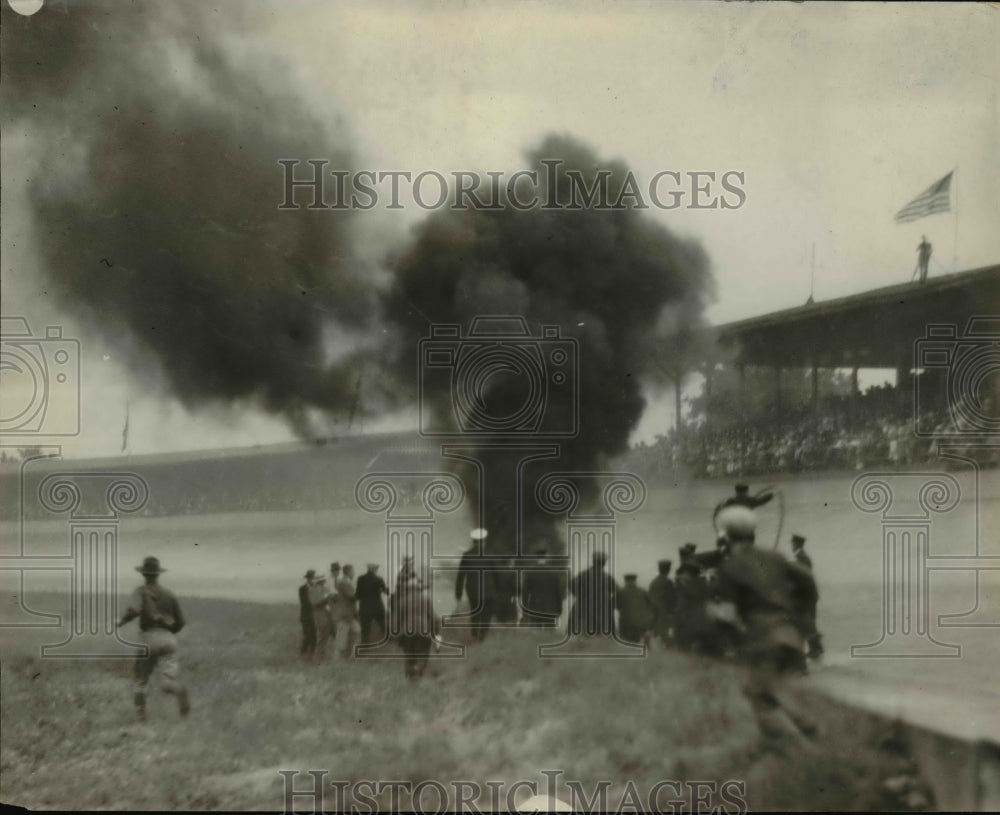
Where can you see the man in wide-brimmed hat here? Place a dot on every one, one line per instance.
(160, 619)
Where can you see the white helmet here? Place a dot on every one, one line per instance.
(738, 522)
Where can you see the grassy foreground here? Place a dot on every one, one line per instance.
(70, 741)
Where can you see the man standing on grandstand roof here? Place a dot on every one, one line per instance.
(924, 250)
(160, 619)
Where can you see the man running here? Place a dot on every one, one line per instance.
(160, 619)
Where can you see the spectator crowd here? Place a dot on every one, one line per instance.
(873, 432)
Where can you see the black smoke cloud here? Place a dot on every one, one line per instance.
(157, 202)
(612, 279)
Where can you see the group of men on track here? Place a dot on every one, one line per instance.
(740, 601)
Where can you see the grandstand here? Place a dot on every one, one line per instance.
(883, 328)
(875, 329)
(939, 336)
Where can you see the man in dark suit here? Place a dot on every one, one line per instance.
(306, 616)
(596, 594)
(371, 609)
(478, 584)
(543, 594)
(636, 613)
(663, 593)
(807, 599)
(692, 627)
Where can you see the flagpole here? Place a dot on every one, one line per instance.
(125, 449)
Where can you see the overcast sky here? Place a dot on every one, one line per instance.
(837, 115)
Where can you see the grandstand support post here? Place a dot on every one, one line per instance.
(778, 407)
(855, 393)
(904, 382)
(815, 387)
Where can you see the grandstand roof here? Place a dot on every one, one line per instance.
(873, 329)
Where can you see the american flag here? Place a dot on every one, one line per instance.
(936, 198)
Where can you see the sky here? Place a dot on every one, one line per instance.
(837, 115)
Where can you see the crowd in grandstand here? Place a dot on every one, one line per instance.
(874, 431)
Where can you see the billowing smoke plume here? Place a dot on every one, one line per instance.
(612, 279)
(157, 201)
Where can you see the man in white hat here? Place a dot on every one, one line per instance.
(160, 619)
(478, 584)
